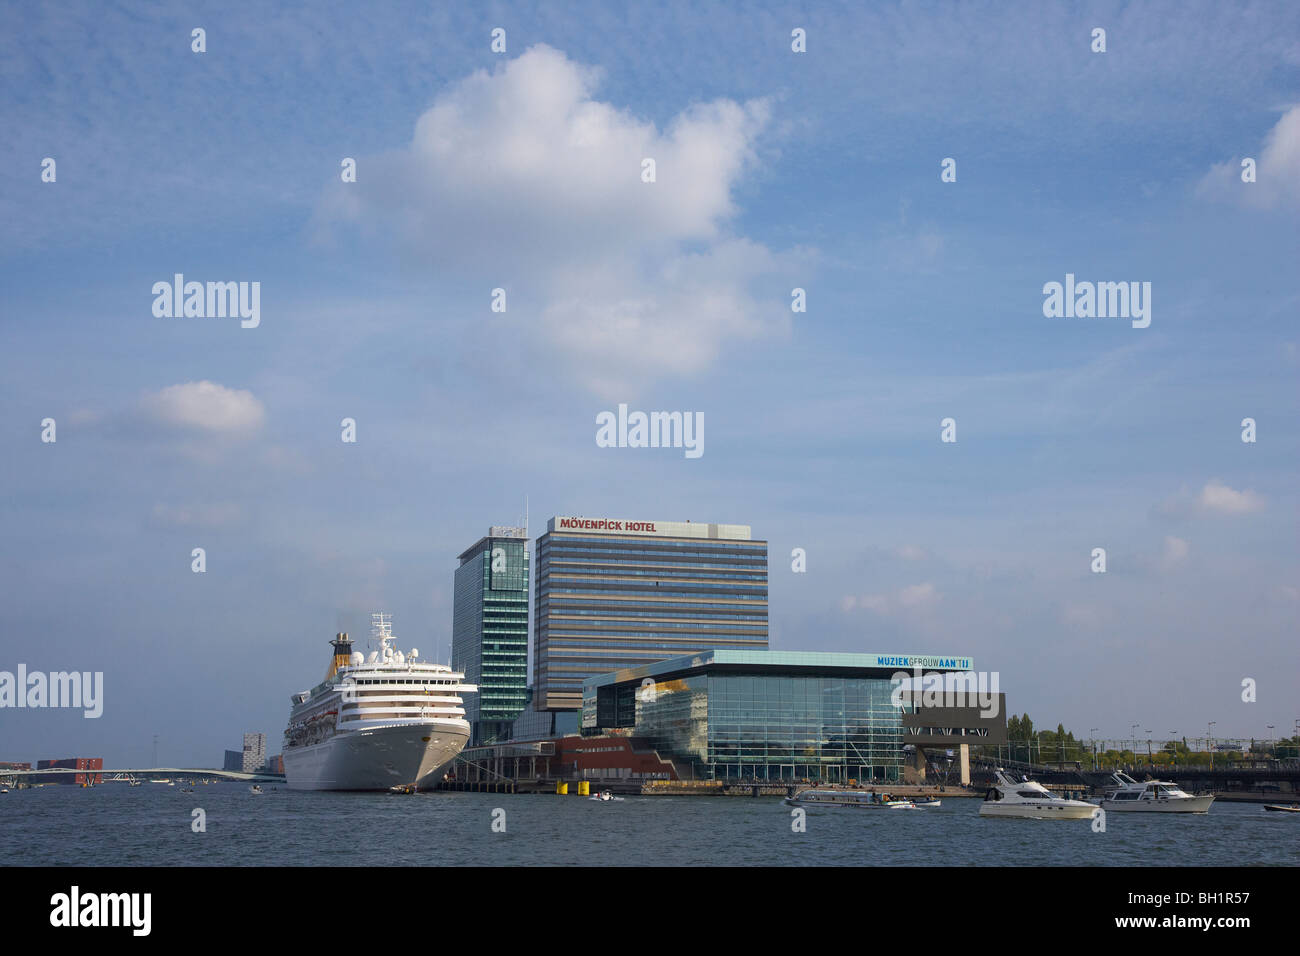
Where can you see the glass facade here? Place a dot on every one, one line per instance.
(490, 632)
(762, 726)
(606, 601)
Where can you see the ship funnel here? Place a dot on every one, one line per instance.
(342, 654)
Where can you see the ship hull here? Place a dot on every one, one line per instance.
(1042, 811)
(1169, 805)
(377, 759)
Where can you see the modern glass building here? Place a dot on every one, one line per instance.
(489, 631)
(616, 594)
(764, 715)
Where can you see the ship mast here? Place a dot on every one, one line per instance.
(381, 631)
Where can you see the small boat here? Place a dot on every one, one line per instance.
(855, 799)
(928, 802)
(1030, 800)
(254, 789)
(1281, 808)
(604, 796)
(4, 789)
(400, 788)
(1153, 796)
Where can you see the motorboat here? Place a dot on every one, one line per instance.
(1281, 808)
(928, 802)
(1030, 800)
(605, 796)
(254, 789)
(1153, 796)
(851, 798)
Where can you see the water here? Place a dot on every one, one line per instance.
(114, 824)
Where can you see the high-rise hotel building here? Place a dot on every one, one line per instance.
(489, 630)
(613, 594)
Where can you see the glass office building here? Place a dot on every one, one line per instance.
(614, 594)
(764, 715)
(489, 631)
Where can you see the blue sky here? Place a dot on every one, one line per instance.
(775, 170)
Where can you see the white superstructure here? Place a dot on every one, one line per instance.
(377, 721)
(1153, 796)
(1029, 799)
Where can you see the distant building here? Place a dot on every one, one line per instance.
(614, 594)
(8, 765)
(254, 752)
(489, 631)
(276, 764)
(234, 761)
(72, 763)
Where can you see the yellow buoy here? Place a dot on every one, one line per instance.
(561, 788)
(584, 788)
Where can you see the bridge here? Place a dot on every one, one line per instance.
(10, 778)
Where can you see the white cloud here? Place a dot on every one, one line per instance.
(1277, 170)
(912, 552)
(205, 406)
(521, 179)
(1218, 497)
(912, 596)
(1176, 550)
(1214, 498)
(918, 594)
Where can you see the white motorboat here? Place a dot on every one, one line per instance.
(1283, 808)
(605, 796)
(852, 798)
(1153, 796)
(928, 802)
(1030, 800)
(254, 789)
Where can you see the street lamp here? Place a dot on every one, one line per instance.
(1209, 740)
(1174, 734)
(1091, 731)
(1150, 759)
(1271, 751)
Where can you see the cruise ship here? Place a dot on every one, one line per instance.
(376, 722)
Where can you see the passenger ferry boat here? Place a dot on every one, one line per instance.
(1028, 799)
(1153, 796)
(855, 799)
(379, 721)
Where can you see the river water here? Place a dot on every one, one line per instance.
(114, 824)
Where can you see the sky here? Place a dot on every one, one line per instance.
(774, 170)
